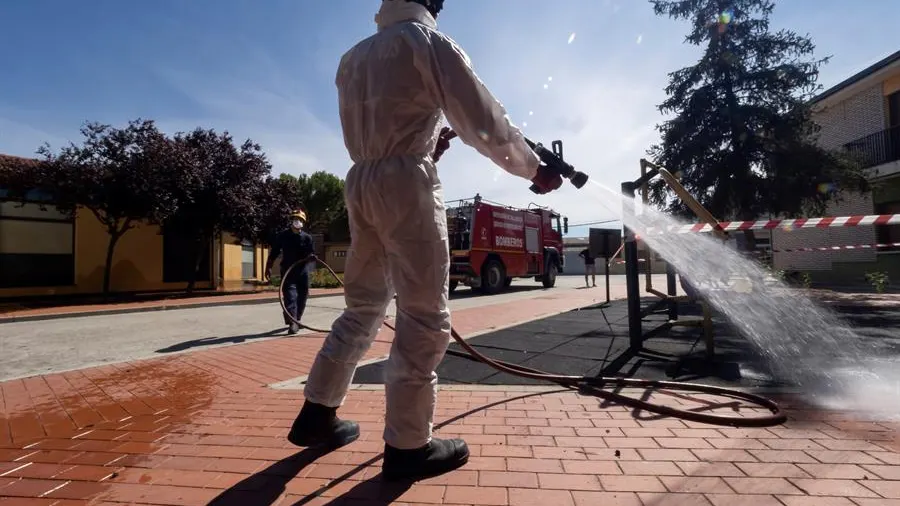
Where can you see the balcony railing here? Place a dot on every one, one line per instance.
(878, 148)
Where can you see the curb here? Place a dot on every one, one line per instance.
(150, 308)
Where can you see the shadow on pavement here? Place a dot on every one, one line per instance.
(372, 492)
(265, 487)
(212, 341)
(595, 342)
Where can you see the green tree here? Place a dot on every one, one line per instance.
(217, 186)
(321, 195)
(17, 176)
(117, 174)
(277, 198)
(339, 230)
(741, 138)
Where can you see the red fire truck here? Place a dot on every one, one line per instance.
(490, 244)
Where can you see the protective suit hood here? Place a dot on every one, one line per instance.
(396, 11)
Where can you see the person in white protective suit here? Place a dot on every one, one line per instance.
(393, 87)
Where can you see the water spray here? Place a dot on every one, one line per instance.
(589, 385)
(800, 342)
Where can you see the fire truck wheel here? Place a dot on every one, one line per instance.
(453, 285)
(493, 277)
(549, 278)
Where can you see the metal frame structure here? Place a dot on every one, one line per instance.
(670, 299)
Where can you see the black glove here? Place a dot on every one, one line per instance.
(443, 143)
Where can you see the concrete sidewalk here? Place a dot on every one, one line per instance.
(205, 427)
(14, 314)
(48, 313)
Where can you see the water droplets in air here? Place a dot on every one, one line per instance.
(805, 345)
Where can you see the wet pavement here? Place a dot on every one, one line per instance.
(204, 427)
(594, 342)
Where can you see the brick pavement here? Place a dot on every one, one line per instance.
(203, 427)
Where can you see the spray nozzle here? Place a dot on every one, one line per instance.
(554, 160)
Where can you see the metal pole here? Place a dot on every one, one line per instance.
(606, 273)
(672, 290)
(632, 283)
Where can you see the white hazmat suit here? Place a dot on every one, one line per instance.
(393, 87)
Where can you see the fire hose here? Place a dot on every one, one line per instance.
(587, 385)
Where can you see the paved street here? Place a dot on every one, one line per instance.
(28, 348)
(206, 426)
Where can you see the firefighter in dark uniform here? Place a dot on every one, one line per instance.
(293, 244)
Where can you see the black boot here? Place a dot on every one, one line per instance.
(437, 457)
(319, 426)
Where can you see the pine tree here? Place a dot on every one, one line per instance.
(741, 139)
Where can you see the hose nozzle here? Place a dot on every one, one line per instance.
(554, 160)
(579, 179)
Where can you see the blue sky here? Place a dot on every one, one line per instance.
(265, 70)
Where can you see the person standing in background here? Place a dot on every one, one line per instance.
(293, 244)
(589, 267)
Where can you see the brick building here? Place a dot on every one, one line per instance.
(860, 115)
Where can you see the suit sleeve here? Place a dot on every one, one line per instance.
(274, 251)
(474, 113)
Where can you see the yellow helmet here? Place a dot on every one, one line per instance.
(298, 214)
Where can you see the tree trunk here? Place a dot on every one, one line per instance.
(742, 166)
(192, 278)
(192, 275)
(114, 236)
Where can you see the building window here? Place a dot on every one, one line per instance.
(37, 247)
(893, 132)
(248, 260)
(178, 261)
(888, 234)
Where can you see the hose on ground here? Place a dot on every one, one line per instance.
(594, 385)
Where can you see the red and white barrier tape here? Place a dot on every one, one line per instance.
(837, 248)
(819, 248)
(839, 221)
